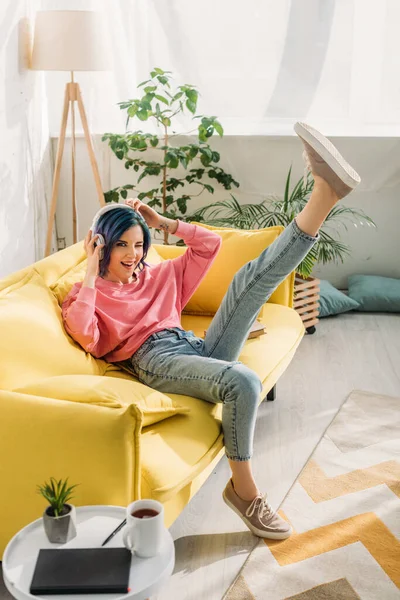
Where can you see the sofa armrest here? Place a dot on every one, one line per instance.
(96, 447)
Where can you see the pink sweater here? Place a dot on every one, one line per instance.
(113, 319)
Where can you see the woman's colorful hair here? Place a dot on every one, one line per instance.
(112, 225)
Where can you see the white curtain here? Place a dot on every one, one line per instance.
(259, 65)
(25, 156)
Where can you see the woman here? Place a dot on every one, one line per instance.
(128, 312)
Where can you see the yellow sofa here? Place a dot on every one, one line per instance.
(65, 413)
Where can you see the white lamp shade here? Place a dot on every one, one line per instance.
(69, 40)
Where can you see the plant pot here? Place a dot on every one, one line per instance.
(62, 529)
(306, 301)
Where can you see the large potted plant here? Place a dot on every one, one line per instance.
(59, 518)
(275, 210)
(160, 104)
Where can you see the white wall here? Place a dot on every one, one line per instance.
(25, 160)
(261, 164)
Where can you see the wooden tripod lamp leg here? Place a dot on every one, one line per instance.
(57, 170)
(90, 147)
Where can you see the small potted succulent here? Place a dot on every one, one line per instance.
(59, 519)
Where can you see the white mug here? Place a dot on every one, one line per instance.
(143, 535)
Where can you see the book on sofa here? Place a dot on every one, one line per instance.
(256, 329)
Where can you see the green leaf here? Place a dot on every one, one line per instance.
(144, 82)
(173, 163)
(286, 196)
(172, 183)
(142, 115)
(166, 121)
(154, 202)
(63, 488)
(191, 106)
(124, 194)
(119, 154)
(150, 88)
(132, 110)
(162, 99)
(202, 133)
(218, 128)
(193, 151)
(154, 141)
(181, 202)
(192, 95)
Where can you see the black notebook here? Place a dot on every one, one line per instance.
(81, 571)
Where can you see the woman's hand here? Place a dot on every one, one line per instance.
(152, 218)
(92, 251)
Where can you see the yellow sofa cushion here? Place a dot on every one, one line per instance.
(109, 392)
(239, 246)
(33, 341)
(64, 284)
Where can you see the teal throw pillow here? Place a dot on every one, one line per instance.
(332, 301)
(374, 293)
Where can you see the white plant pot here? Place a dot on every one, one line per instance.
(62, 529)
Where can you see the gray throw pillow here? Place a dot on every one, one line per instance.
(332, 301)
(374, 293)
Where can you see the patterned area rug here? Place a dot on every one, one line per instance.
(345, 512)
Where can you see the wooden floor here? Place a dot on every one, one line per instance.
(353, 351)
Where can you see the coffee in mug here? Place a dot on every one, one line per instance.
(145, 513)
(145, 529)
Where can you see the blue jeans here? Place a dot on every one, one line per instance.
(178, 362)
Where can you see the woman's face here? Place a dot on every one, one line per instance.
(125, 256)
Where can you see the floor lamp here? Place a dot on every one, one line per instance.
(69, 40)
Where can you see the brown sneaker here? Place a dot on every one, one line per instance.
(324, 160)
(258, 515)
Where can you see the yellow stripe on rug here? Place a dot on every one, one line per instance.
(366, 528)
(320, 487)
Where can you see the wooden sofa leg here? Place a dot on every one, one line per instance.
(271, 394)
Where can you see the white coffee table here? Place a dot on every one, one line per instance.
(94, 525)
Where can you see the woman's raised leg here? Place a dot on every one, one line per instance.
(255, 282)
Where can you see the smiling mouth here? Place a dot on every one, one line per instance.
(127, 265)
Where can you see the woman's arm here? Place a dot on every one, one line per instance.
(89, 281)
(79, 318)
(151, 216)
(168, 225)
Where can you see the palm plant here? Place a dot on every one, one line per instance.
(281, 211)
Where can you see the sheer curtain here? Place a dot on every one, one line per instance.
(259, 65)
(26, 163)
